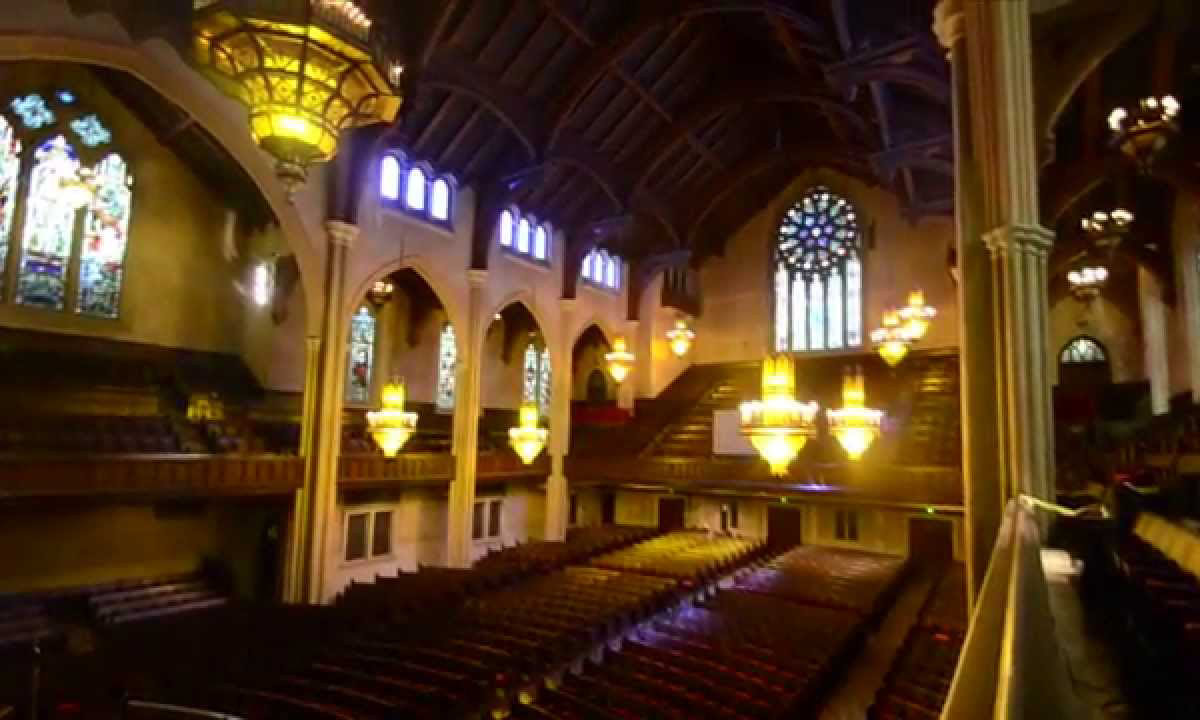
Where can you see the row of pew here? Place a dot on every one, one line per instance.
(742, 652)
(685, 556)
(916, 685)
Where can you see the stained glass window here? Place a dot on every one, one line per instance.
(506, 228)
(600, 268)
(10, 168)
(90, 130)
(543, 395)
(49, 231)
(523, 236)
(540, 242)
(818, 250)
(536, 385)
(389, 178)
(447, 367)
(33, 111)
(439, 200)
(414, 191)
(105, 232)
(529, 390)
(1083, 349)
(362, 356)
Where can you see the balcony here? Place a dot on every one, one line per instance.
(433, 469)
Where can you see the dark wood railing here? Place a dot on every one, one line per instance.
(157, 474)
(904, 484)
(426, 469)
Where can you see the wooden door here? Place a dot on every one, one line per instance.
(671, 513)
(930, 541)
(608, 508)
(785, 527)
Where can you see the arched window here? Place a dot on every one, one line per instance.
(541, 243)
(818, 275)
(536, 387)
(10, 173)
(439, 200)
(447, 367)
(362, 356)
(1083, 349)
(523, 236)
(506, 229)
(389, 178)
(76, 205)
(414, 189)
(600, 268)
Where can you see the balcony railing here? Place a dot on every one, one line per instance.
(907, 484)
(428, 469)
(158, 474)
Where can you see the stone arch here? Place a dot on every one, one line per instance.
(439, 285)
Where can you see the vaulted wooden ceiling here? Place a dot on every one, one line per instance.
(665, 125)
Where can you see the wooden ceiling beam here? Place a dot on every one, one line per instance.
(434, 122)
(437, 31)
(459, 137)
(934, 153)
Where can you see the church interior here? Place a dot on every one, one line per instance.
(599, 360)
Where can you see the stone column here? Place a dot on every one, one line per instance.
(557, 495)
(467, 402)
(1154, 339)
(1187, 284)
(295, 574)
(625, 391)
(1002, 250)
(385, 344)
(328, 412)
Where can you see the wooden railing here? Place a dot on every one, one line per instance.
(911, 485)
(158, 474)
(426, 469)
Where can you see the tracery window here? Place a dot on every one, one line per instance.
(818, 275)
(536, 387)
(76, 201)
(602, 269)
(447, 367)
(361, 359)
(415, 189)
(524, 235)
(1083, 349)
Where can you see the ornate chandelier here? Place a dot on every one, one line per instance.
(381, 291)
(1105, 229)
(301, 67)
(1143, 131)
(527, 439)
(1086, 281)
(892, 340)
(778, 426)
(854, 425)
(391, 426)
(916, 315)
(620, 360)
(680, 338)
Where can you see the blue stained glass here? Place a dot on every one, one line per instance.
(10, 168)
(105, 236)
(66, 97)
(816, 314)
(447, 367)
(90, 130)
(33, 111)
(49, 229)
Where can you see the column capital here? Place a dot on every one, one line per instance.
(1033, 239)
(568, 304)
(948, 23)
(341, 233)
(477, 277)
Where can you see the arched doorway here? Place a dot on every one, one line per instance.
(1084, 361)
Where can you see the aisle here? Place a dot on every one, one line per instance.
(850, 700)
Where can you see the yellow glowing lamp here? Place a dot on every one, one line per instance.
(391, 426)
(777, 425)
(527, 439)
(854, 425)
(620, 360)
(680, 338)
(916, 315)
(304, 71)
(892, 340)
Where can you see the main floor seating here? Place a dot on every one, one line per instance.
(681, 555)
(916, 685)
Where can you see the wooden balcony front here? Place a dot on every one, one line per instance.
(904, 485)
(433, 469)
(148, 474)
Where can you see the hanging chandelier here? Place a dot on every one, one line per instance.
(1142, 132)
(527, 439)
(892, 340)
(916, 315)
(1087, 280)
(777, 425)
(391, 426)
(620, 360)
(303, 69)
(381, 291)
(1105, 229)
(680, 337)
(854, 425)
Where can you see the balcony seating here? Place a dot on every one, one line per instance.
(690, 434)
(88, 434)
(23, 621)
(145, 599)
(916, 685)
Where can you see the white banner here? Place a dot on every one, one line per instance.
(727, 435)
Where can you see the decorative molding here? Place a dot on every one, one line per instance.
(948, 23)
(341, 233)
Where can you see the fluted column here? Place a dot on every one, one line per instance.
(328, 412)
(1007, 425)
(294, 579)
(625, 391)
(557, 497)
(1154, 339)
(467, 404)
